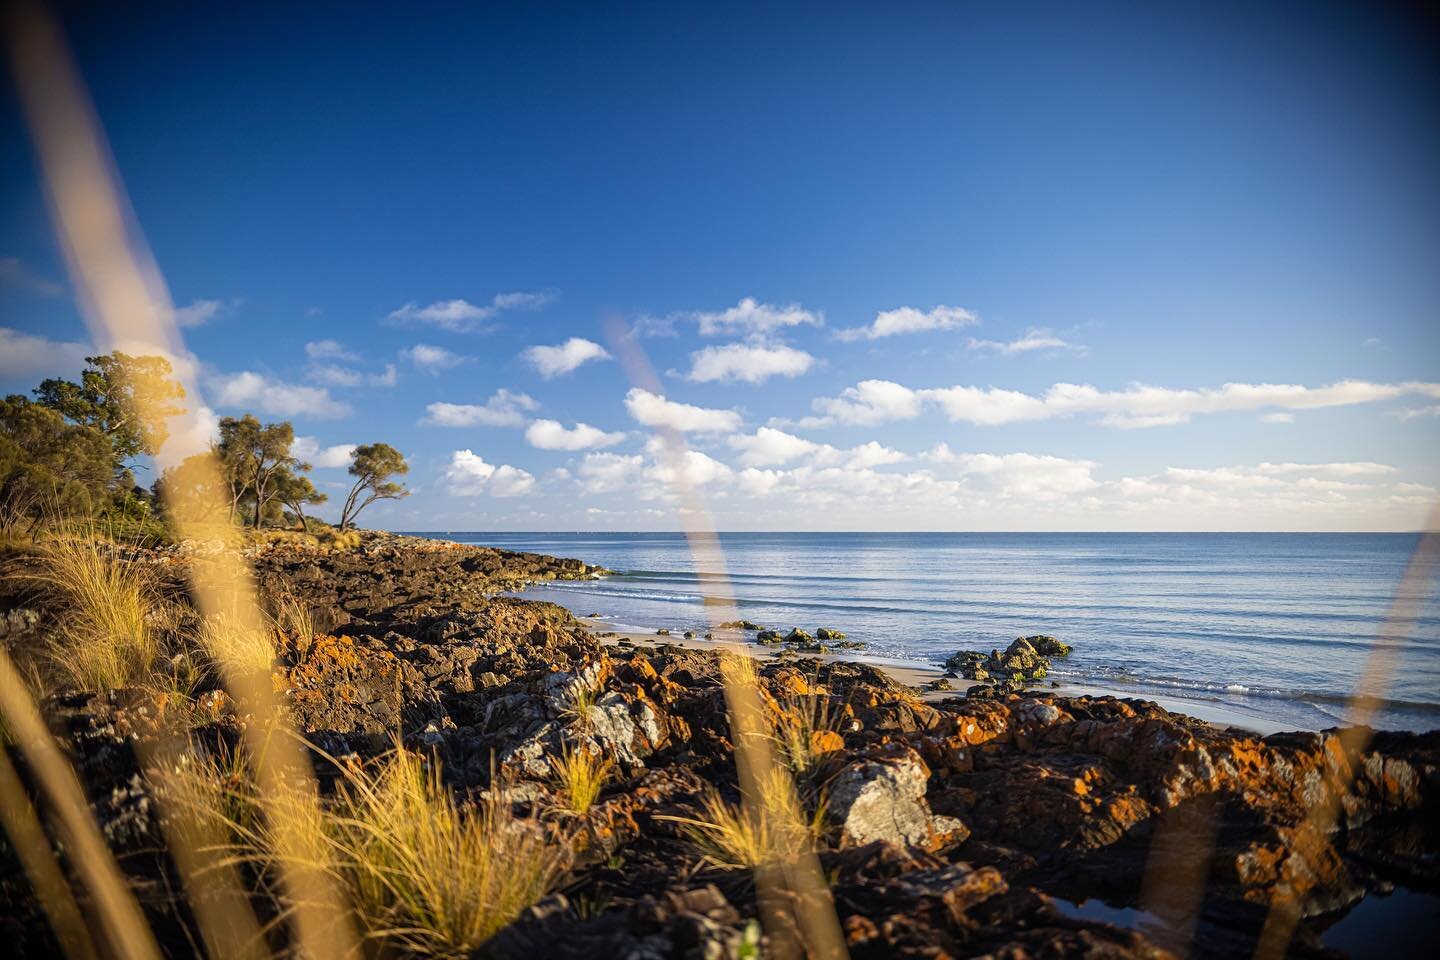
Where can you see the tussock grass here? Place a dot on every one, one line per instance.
(291, 618)
(107, 634)
(768, 829)
(234, 648)
(424, 874)
(581, 773)
(804, 724)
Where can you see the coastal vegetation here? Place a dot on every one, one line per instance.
(69, 460)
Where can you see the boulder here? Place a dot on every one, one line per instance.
(882, 798)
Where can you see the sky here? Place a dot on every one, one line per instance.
(900, 266)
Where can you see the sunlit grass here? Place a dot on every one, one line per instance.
(235, 648)
(106, 635)
(581, 774)
(768, 829)
(424, 874)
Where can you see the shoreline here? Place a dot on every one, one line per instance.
(917, 675)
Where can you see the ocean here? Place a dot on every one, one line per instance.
(1277, 627)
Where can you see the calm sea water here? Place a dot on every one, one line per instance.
(1274, 626)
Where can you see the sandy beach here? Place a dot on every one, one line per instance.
(920, 675)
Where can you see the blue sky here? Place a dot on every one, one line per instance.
(365, 215)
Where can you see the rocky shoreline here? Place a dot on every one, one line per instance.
(955, 826)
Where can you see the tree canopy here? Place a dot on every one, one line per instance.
(126, 399)
(373, 465)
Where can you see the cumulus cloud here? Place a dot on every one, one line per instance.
(309, 450)
(868, 402)
(889, 323)
(329, 350)
(608, 472)
(462, 316)
(654, 410)
(430, 358)
(565, 357)
(28, 355)
(768, 447)
(748, 362)
(190, 433)
(470, 476)
(752, 316)
(263, 394)
(1032, 340)
(1413, 413)
(504, 409)
(553, 435)
(1140, 405)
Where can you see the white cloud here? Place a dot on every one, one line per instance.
(1413, 413)
(335, 376)
(388, 378)
(564, 357)
(1140, 405)
(470, 476)
(257, 392)
(689, 468)
(868, 402)
(1361, 468)
(1032, 340)
(608, 472)
(504, 409)
(28, 355)
(1278, 418)
(430, 358)
(15, 275)
(198, 312)
(768, 447)
(189, 433)
(889, 323)
(653, 410)
(872, 454)
(552, 435)
(329, 350)
(309, 450)
(748, 362)
(462, 316)
(752, 316)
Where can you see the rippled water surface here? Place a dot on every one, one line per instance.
(1274, 625)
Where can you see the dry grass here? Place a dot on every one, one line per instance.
(805, 730)
(768, 829)
(581, 773)
(424, 874)
(292, 619)
(107, 635)
(235, 649)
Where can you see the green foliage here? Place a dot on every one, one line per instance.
(126, 399)
(251, 455)
(294, 490)
(48, 466)
(373, 465)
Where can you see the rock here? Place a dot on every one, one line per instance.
(825, 633)
(940, 683)
(768, 637)
(882, 799)
(798, 636)
(663, 632)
